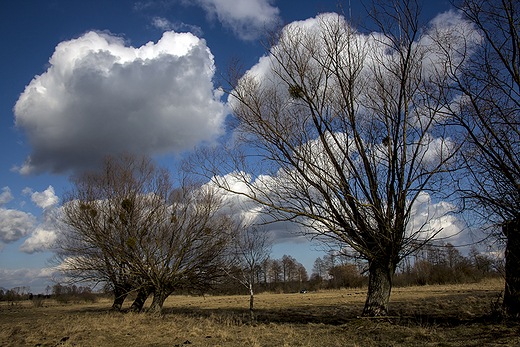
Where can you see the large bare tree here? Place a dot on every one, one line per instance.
(127, 226)
(487, 79)
(186, 250)
(98, 216)
(336, 130)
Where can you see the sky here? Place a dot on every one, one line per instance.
(81, 79)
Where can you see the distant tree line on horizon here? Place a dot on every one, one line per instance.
(60, 292)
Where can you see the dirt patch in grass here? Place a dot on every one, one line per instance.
(456, 315)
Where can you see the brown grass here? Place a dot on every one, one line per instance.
(450, 315)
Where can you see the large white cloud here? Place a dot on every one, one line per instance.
(41, 239)
(101, 97)
(14, 224)
(246, 18)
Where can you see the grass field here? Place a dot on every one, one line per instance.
(448, 315)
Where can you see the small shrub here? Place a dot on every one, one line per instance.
(37, 302)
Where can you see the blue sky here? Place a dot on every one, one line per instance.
(66, 130)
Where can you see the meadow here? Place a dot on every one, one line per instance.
(435, 315)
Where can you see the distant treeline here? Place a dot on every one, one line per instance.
(436, 263)
(59, 292)
(443, 263)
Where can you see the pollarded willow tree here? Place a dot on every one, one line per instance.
(126, 226)
(340, 132)
(99, 216)
(187, 250)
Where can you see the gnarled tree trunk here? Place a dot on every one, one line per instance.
(120, 294)
(379, 287)
(511, 231)
(159, 296)
(139, 301)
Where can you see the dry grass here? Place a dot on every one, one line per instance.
(452, 315)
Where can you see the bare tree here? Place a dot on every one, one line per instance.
(338, 130)
(187, 246)
(125, 225)
(265, 266)
(319, 269)
(289, 269)
(302, 274)
(97, 218)
(487, 79)
(251, 248)
(275, 271)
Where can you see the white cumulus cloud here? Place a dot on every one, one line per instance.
(45, 199)
(40, 233)
(41, 239)
(15, 225)
(99, 97)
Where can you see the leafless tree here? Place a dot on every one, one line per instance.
(250, 249)
(302, 275)
(265, 265)
(289, 268)
(319, 269)
(125, 225)
(98, 217)
(487, 79)
(340, 134)
(275, 271)
(188, 248)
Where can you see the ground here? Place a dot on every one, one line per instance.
(448, 315)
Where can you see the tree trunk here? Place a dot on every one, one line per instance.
(159, 296)
(251, 299)
(120, 294)
(139, 301)
(379, 288)
(512, 290)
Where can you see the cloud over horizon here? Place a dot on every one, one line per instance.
(101, 97)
